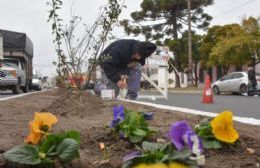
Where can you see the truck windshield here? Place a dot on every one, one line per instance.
(10, 62)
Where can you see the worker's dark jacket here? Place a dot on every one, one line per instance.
(252, 77)
(116, 56)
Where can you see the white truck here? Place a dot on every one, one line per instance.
(16, 54)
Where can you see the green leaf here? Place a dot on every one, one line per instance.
(47, 163)
(135, 139)
(27, 154)
(74, 135)
(149, 146)
(51, 142)
(68, 150)
(140, 132)
(183, 154)
(211, 144)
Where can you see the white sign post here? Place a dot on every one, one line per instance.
(159, 61)
(1, 47)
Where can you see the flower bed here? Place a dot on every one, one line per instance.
(92, 118)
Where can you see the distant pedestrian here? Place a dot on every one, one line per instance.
(252, 78)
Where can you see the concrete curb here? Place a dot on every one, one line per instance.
(250, 121)
(22, 95)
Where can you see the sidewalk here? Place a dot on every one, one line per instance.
(189, 90)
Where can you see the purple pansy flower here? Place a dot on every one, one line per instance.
(181, 134)
(119, 115)
(131, 155)
(194, 143)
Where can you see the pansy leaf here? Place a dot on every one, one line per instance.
(183, 154)
(149, 146)
(27, 154)
(135, 139)
(50, 142)
(140, 132)
(211, 144)
(47, 162)
(68, 150)
(74, 135)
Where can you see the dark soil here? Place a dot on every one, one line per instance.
(91, 117)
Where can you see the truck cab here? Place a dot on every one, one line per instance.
(16, 60)
(13, 75)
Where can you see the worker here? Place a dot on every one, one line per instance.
(252, 79)
(122, 61)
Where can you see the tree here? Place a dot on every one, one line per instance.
(161, 19)
(183, 51)
(225, 46)
(252, 30)
(231, 44)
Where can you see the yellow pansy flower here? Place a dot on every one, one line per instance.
(161, 165)
(222, 127)
(41, 124)
(156, 165)
(177, 165)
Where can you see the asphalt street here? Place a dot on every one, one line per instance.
(242, 106)
(4, 94)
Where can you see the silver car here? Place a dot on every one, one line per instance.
(12, 76)
(235, 82)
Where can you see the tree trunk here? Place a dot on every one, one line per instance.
(176, 52)
(196, 78)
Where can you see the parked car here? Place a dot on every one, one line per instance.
(235, 82)
(13, 76)
(36, 82)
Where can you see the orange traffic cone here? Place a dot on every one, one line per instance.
(207, 92)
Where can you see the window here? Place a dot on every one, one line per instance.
(10, 61)
(229, 76)
(237, 75)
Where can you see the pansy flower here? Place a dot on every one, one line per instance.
(131, 155)
(41, 125)
(222, 127)
(119, 115)
(181, 134)
(162, 165)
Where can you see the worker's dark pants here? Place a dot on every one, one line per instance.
(133, 83)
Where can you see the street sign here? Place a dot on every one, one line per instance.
(160, 57)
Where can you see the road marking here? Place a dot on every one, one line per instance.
(21, 95)
(251, 121)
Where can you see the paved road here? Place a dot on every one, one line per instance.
(240, 105)
(9, 94)
(4, 94)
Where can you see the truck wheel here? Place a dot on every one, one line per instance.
(25, 88)
(17, 89)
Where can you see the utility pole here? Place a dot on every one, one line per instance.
(190, 71)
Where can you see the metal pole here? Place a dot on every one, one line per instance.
(1, 47)
(190, 78)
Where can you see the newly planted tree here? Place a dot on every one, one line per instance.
(74, 52)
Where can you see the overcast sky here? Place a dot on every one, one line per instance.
(30, 16)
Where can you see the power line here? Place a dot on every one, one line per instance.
(237, 7)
